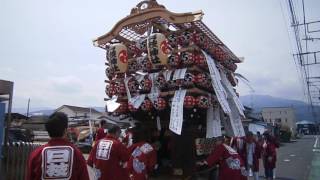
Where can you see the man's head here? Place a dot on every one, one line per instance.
(103, 123)
(115, 131)
(57, 125)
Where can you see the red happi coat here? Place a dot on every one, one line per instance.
(269, 155)
(58, 159)
(256, 154)
(100, 134)
(107, 157)
(142, 161)
(231, 166)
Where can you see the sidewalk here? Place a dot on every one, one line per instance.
(315, 165)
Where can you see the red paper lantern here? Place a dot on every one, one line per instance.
(110, 73)
(123, 108)
(219, 54)
(189, 79)
(201, 40)
(174, 60)
(160, 81)
(200, 60)
(160, 104)
(146, 84)
(203, 80)
(173, 40)
(121, 89)
(187, 58)
(146, 105)
(133, 85)
(203, 102)
(111, 89)
(132, 108)
(185, 38)
(189, 102)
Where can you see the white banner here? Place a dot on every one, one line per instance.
(137, 100)
(179, 73)
(232, 94)
(226, 124)
(112, 104)
(153, 77)
(176, 116)
(235, 120)
(213, 122)
(126, 80)
(216, 83)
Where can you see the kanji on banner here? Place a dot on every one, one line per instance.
(176, 116)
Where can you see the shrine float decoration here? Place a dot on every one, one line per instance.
(171, 72)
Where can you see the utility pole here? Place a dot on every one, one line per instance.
(307, 56)
(28, 108)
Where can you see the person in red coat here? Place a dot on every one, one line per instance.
(143, 159)
(231, 166)
(269, 155)
(59, 158)
(101, 132)
(253, 154)
(108, 156)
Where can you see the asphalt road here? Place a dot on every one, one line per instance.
(294, 160)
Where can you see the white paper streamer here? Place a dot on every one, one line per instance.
(235, 120)
(216, 83)
(126, 80)
(179, 73)
(153, 77)
(112, 104)
(137, 100)
(232, 94)
(213, 122)
(176, 116)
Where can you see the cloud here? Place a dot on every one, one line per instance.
(66, 84)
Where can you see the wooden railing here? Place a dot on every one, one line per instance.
(14, 160)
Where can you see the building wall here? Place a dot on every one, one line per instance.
(284, 116)
(70, 113)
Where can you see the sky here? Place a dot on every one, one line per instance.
(46, 46)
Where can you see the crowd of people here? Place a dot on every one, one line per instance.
(239, 158)
(133, 157)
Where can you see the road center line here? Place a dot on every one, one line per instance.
(316, 142)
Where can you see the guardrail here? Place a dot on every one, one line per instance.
(14, 161)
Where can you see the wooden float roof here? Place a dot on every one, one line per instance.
(149, 13)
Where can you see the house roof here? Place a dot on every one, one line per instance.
(305, 122)
(78, 109)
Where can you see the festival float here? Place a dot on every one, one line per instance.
(171, 73)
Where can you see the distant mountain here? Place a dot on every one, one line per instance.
(34, 111)
(260, 101)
